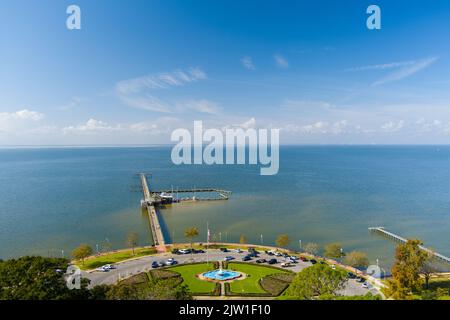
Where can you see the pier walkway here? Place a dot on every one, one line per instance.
(149, 204)
(398, 238)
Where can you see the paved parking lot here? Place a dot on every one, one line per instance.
(132, 267)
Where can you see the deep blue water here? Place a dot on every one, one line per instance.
(53, 199)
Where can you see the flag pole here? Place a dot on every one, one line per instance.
(207, 243)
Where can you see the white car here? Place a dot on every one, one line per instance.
(366, 285)
(236, 250)
(109, 266)
(170, 262)
(228, 258)
(184, 251)
(102, 269)
(286, 265)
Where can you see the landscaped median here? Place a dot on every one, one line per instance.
(260, 280)
(188, 274)
(113, 257)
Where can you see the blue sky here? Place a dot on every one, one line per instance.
(138, 70)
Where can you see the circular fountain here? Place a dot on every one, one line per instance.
(221, 275)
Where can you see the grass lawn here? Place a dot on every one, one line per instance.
(189, 272)
(110, 258)
(254, 274)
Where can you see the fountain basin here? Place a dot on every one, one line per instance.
(221, 275)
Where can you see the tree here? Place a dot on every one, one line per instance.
(38, 278)
(409, 262)
(242, 239)
(82, 252)
(333, 250)
(428, 269)
(316, 281)
(282, 240)
(132, 240)
(356, 259)
(191, 233)
(311, 248)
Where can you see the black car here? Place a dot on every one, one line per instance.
(270, 253)
(261, 261)
(198, 251)
(351, 275)
(313, 261)
(155, 265)
(223, 249)
(175, 251)
(272, 261)
(246, 258)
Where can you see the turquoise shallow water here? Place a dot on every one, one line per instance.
(53, 199)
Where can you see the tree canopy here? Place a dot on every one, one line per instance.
(37, 278)
(356, 259)
(316, 281)
(333, 250)
(282, 240)
(82, 252)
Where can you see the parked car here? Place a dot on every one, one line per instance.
(228, 258)
(185, 251)
(162, 263)
(286, 265)
(272, 261)
(289, 260)
(198, 251)
(293, 258)
(360, 280)
(313, 261)
(304, 259)
(278, 254)
(155, 265)
(237, 250)
(333, 267)
(247, 258)
(270, 253)
(366, 285)
(223, 249)
(261, 261)
(322, 262)
(175, 251)
(351, 275)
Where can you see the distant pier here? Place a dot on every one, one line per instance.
(398, 238)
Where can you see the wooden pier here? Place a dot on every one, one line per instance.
(149, 204)
(153, 199)
(398, 238)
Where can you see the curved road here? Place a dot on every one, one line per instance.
(131, 267)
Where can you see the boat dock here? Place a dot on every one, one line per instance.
(398, 238)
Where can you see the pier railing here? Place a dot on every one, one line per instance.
(398, 238)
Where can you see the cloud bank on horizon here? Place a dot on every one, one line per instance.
(320, 81)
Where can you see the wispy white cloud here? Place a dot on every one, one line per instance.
(247, 62)
(281, 61)
(383, 66)
(406, 71)
(203, 106)
(160, 81)
(141, 92)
